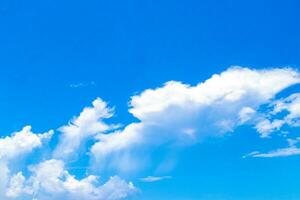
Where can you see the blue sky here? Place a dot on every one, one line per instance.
(233, 137)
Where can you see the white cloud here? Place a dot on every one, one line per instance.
(21, 142)
(173, 115)
(265, 127)
(272, 123)
(4, 174)
(82, 84)
(289, 151)
(233, 85)
(16, 145)
(292, 149)
(290, 104)
(16, 186)
(211, 108)
(50, 180)
(246, 114)
(86, 125)
(150, 179)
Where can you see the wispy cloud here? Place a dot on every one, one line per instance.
(154, 178)
(271, 122)
(82, 84)
(291, 150)
(80, 128)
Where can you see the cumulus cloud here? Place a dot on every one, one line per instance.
(50, 180)
(87, 124)
(171, 116)
(21, 142)
(178, 113)
(4, 174)
(232, 86)
(16, 145)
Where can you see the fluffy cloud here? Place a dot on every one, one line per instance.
(178, 113)
(4, 174)
(50, 180)
(174, 115)
(231, 86)
(21, 142)
(86, 125)
(16, 145)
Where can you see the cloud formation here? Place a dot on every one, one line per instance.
(179, 114)
(290, 107)
(50, 180)
(174, 115)
(291, 150)
(86, 125)
(21, 142)
(18, 145)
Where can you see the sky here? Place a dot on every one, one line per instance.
(149, 100)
